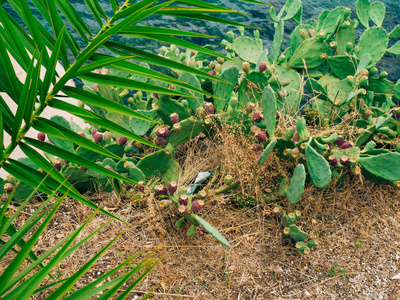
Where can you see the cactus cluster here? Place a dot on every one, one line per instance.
(324, 75)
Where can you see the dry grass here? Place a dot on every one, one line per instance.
(263, 263)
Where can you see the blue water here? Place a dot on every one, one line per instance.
(257, 16)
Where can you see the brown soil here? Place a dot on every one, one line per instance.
(357, 227)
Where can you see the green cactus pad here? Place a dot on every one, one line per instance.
(342, 65)
(236, 117)
(166, 107)
(296, 187)
(332, 21)
(316, 89)
(269, 108)
(267, 151)
(197, 99)
(172, 173)
(190, 128)
(223, 91)
(296, 234)
(211, 230)
(111, 163)
(86, 153)
(296, 39)
(155, 163)
(141, 127)
(293, 8)
(321, 19)
(311, 51)
(61, 143)
(136, 174)
(362, 10)
(277, 42)
(114, 148)
(339, 91)
(343, 37)
(385, 166)
(317, 167)
(76, 175)
(395, 49)
(353, 153)
(373, 41)
(330, 139)
(381, 88)
(22, 192)
(247, 49)
(377, 12)
(191, 231)
(251, 88)
(301, 128)
(395, 33)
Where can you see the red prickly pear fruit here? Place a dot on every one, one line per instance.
(212, 73)
(209, 108)
(41, 136)
(296, 137)
(183, 199)
(140, 186)
(177, 127)
(95, 87)
(262, 66)
(57, 165)
(197, 205)
(155, 95)
(295, 152)
(346, 145)
(4, 197)
(122, 140)
(333, 160)
(339, 142)
(257, 117)
(162, 132)
(84, 169)
(109, 168)
(250, 107)
(82, 134)
(174, 117)
(172, 187)
(8, 187)
(93, 132)
(98, 137)
(161, 190)
(183, 210)
(261, 137)
(345, 160)
(159, 141)
(257, 147)
(330, 144)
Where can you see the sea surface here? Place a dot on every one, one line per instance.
(256, 15)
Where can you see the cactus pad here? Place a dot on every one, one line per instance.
(155, 163)
(247, 49)
(296, 187)
(385, 166)
(374, 41)
(362, 10)
(190, 128)
(141, 127)
(377, 12)
(211, 230)
(267, 151)
(277, 42)
(251, 88)
(224, 90)
(317, 167)
(312, 52)
(166, 107)
(269, 108)
(197, 99)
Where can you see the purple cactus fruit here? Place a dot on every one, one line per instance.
(295, 152)
(339, 142)
(109, 168)
(159, 141)
(41, 136)
(82, 134)
(95, 87)
(346, 145)
(4, 197)
(140, 186)
(183, 199)
(93, 132)
(177, 127)
(64, 162)
(57, 165)
(122, 140)
(330, 144)
(84, 169)
(250, 107)
(257, 117)
(161, 190)
(212, 73)
(257, 147)
(8, 187)
(174, 117)
(172, 187)
(261, 137)
(262, 66)
(162, 132)
(345, 160)
(296, 137)
(209, 108)
(278, 212)
(183, 210)
(155, 95)
(333, 160)
(197, 205)
(98, 137)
